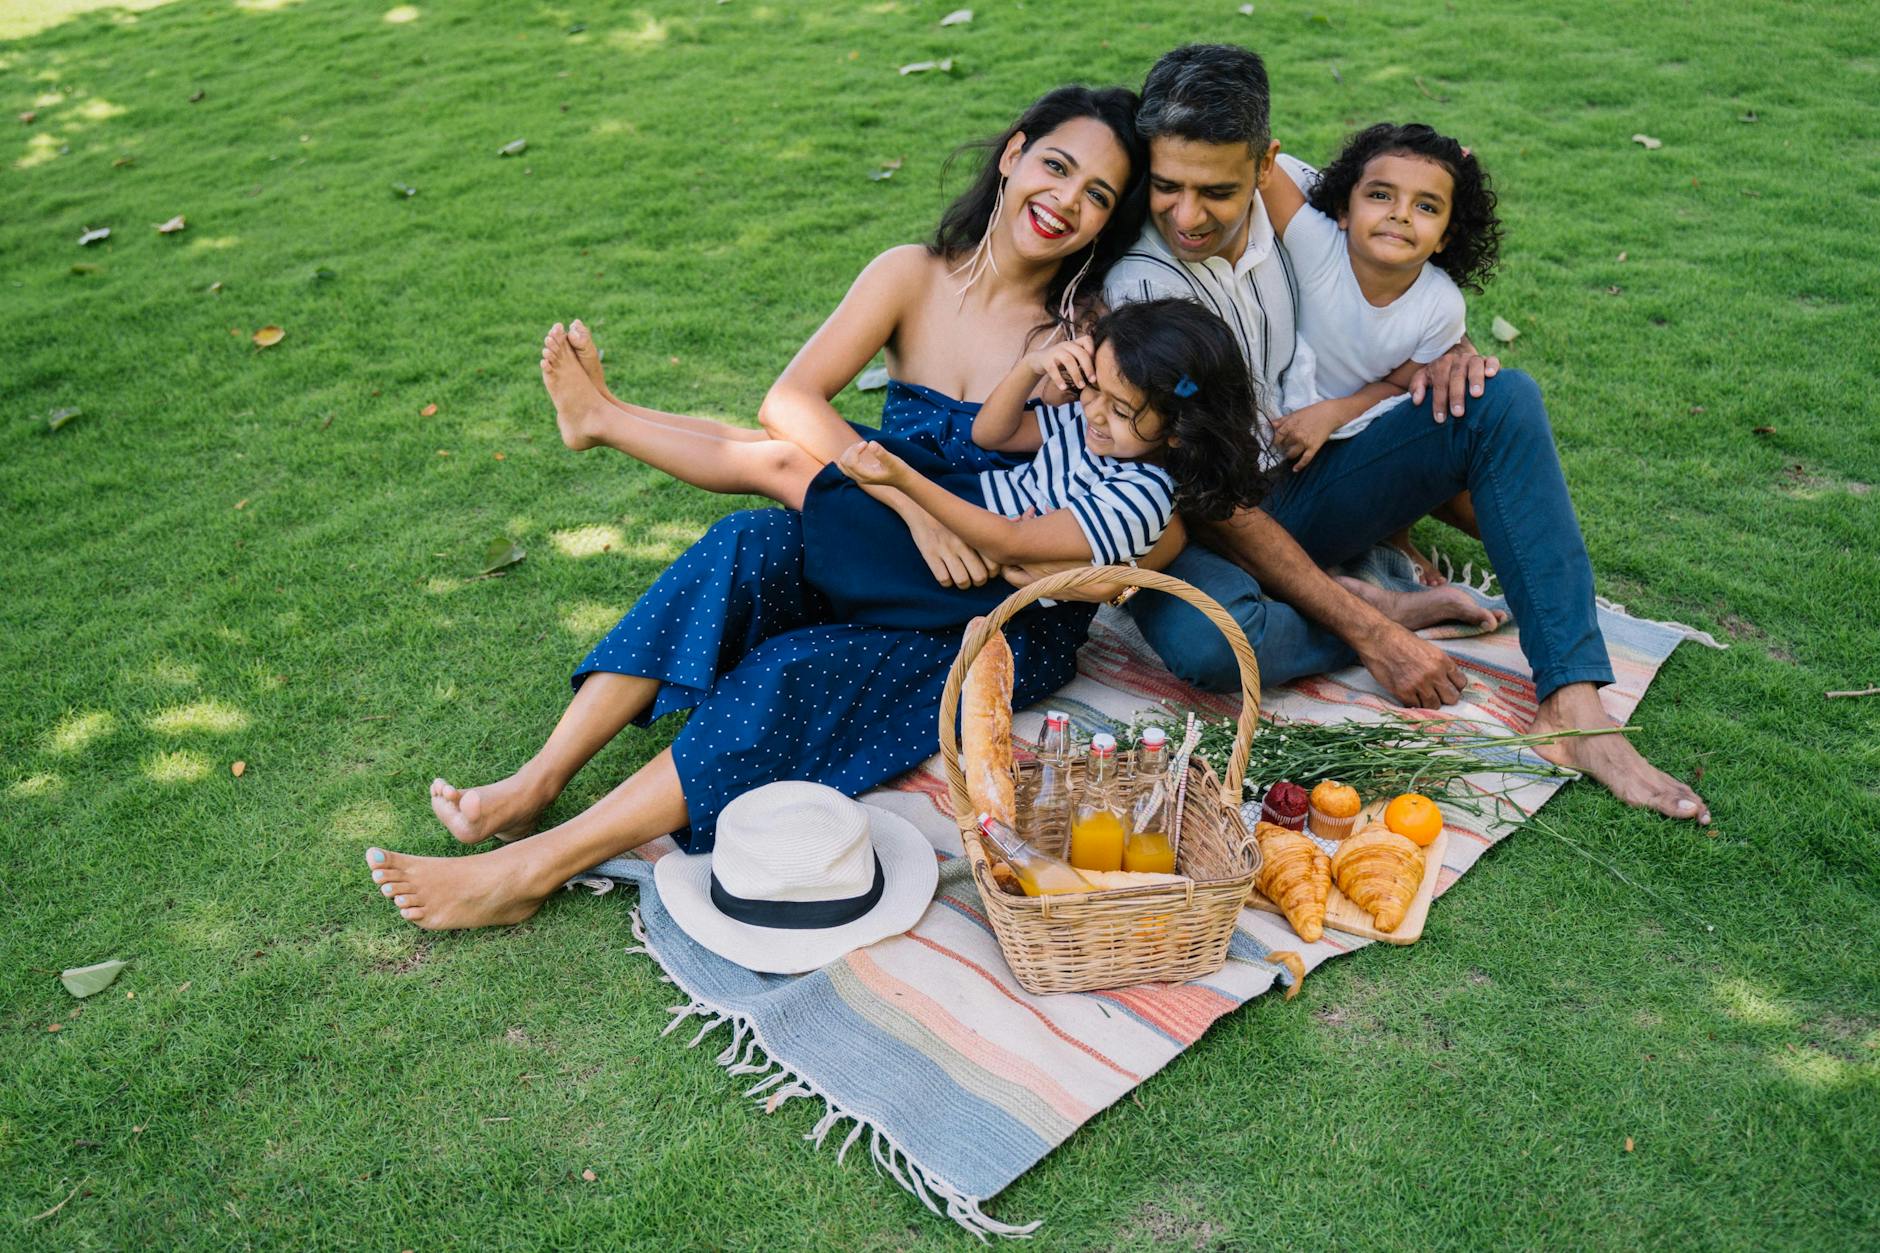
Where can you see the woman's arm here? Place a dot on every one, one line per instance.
(1049, 537)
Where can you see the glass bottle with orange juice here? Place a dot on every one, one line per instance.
(1038, 873)
(1149, 846)
(1098, 822)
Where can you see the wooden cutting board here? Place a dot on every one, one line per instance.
(1343, 914)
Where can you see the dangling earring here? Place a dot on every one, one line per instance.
(1067, 303)
(982, 257)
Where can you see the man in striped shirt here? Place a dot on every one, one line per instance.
(1205, 116)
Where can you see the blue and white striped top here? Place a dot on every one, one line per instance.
(1122, 507)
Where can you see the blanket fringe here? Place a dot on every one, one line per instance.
(748, 1055)
(1690, 633)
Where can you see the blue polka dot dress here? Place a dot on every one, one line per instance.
(780, 686)
(939, 423)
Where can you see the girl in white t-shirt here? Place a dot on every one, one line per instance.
(1383, 244)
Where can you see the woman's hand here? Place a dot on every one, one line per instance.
(871, 463)
(1070, 365)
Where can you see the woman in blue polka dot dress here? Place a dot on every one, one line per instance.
(778, 686)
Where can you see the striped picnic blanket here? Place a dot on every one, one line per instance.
(925, 1047)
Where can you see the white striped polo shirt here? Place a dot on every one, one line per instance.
(1122, 507)
(1256, 296)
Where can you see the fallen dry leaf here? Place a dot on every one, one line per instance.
(93, 236)
(1245, 10)
(172, 226)
(268, 336)
(589, 1175)
(1763, 430)
(405, 189)
(443, 452)
(55, 1026)
(1648, 142)
(185, 986)
(196, 98)
(83, 981)
(501, 553)
(1613, 291)
(86, 267)
(59, 417)
(242, 503)
(514, 148)
(959, 17)
(238, 769)
(1749, 117)
(922, 67)
(1697, 409)
(1628, 1144)
(1504, 330)
(1622, 256)
(498, 456)
(121, 162)
(26, 118)
(215, 289)
(428, 411)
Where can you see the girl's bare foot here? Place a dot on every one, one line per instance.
(581, 343)
(1611, 759)
(1416, 610)
(494, 889)
(579, 409)
(504, 810)
(1427, 573)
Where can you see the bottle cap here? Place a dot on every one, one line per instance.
(1057, 718)
(1102, 743)
(1154, 737)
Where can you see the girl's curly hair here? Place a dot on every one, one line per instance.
(1474, 246)
(1187, 365)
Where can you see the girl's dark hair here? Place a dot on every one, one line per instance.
(1187, 365)
(1474, 246)
(964, 223)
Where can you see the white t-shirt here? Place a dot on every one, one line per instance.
(1122, 507)
(1352, 341)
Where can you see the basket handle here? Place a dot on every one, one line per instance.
(1069, 580)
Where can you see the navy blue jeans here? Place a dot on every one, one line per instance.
(1360, 490)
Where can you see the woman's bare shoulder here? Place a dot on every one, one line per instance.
(908, 264)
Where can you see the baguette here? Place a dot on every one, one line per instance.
(986, 732)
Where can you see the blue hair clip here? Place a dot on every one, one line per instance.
(1186, 387)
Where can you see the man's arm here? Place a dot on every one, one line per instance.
(1413, 670)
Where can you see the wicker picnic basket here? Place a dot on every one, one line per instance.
(1153, 934)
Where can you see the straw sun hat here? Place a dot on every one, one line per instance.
(800, 875)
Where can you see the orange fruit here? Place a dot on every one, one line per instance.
(1415, 817)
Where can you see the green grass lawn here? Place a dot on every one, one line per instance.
(268, 557)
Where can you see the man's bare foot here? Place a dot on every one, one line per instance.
(493, 889)
(579, 409)
(1416, 610)
(505, 810)
(581, 343)
(1611, 759)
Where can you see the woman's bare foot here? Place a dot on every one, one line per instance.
(505, 810)
(1611, 759)
(579, 409)
(1416, 610)
(494, 889)
(581, 343)
(1427, 573)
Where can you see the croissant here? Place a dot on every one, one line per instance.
(1381, 871)
(1296, 876)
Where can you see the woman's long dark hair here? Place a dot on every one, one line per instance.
(1474, 246)
(1187, 365)
(964, 223)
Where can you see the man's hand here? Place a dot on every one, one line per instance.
(1413, 670)
(953, 562)
(1450, 377)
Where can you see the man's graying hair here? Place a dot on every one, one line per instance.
(1210, 93)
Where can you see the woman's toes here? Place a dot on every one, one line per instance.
(413, 914)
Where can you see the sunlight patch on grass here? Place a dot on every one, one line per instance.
(264, 6)
(17, 21)
(214, 243)
(1745, 1004)
(76, 731)
(588, 541)
(652, 34)
(589, 619)
(232, 635)
(40, 149)
(612, 126)
(372, 821)
(442, 585)
(46, 99)
(204, 715)
(1813, 1068)
(44, 784)
(172, 673)
(101, 110)
(183, 766)
(403, 14)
